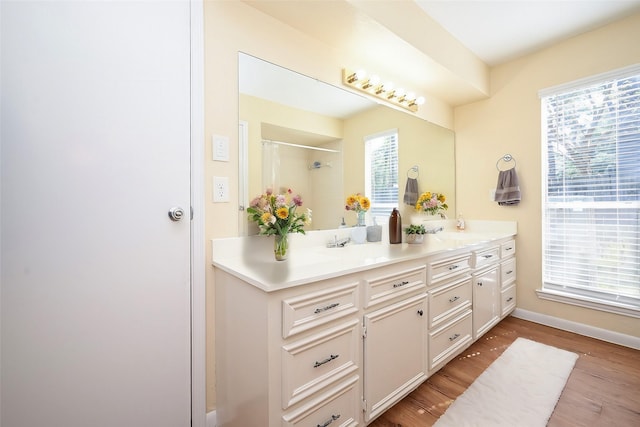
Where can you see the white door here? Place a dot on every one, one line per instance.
(95, 275)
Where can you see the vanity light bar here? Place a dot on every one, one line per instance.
(371, 85)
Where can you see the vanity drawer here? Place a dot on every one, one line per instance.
(440, 270)
(392, 284)
(314, 363)
(449, 299)
(486, 257)
(508, 272)
(447, 340)
(507, 249)
(508, 300)
(313, 309)
(339, 407)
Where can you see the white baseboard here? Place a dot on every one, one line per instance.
(211, 419)
(579, 328)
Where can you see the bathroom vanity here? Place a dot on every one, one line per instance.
(336, 336)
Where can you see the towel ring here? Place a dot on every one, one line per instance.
(506, 158)
(415, 170)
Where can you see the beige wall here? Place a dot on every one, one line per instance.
(509, 122)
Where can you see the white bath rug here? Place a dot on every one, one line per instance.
(520, 388)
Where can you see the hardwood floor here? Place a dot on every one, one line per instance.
(603, 388)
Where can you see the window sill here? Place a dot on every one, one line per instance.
(582, 301)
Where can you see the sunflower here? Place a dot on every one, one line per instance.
(282, 212)
(364, 203)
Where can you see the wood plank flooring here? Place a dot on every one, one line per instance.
(603, 388)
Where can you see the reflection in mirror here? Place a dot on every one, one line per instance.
(307, 135)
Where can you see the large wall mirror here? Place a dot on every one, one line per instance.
(297, 132)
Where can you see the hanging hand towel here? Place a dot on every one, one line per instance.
(411, 192)
(508, 189)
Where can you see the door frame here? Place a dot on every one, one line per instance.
(198, 314)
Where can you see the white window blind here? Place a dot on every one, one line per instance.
(381, 172)
(591, 189)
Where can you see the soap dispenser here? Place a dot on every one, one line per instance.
(460, 225)
(395, 227)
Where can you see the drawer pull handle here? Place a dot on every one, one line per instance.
(327, 307)
(487, 256)
(454, 337)
(329, 421)
(327, 360)
(509, 248)
(453, 267)
(454, 299)
(397, 285)
(420, 312)
(479, 283)
(509, 299)
(510, 271)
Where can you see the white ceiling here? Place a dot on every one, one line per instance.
(498, 31)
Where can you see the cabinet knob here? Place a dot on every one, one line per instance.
(420, 312)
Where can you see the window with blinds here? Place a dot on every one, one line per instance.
(381, 172)
(591, 190)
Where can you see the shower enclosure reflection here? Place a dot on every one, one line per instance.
(316, 172)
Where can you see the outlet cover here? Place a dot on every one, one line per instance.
(220, 189)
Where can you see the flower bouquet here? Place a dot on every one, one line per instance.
(432, 203)
(276, 214)
(359, 204)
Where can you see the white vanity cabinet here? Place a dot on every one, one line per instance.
(394, 337)
(334, 337)
(507, 277)
(486, 311)
(450, 303)
(289, 357)
(486, 288)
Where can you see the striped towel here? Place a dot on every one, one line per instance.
(508, 189)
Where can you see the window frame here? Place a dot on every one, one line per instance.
(566, 292)
(377, 206)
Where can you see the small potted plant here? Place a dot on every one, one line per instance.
(415, 233)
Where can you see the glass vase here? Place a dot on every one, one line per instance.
(359, 231)
(281, 246)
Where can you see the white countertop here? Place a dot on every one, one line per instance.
(251, 258)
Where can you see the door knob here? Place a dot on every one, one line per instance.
(176, 213)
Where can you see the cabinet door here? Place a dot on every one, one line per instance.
(485, 300)
(394, 353)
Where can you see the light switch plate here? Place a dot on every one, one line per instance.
(220, 146)
(220, 189)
